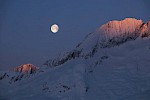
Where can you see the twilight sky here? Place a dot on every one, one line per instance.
(25, 35)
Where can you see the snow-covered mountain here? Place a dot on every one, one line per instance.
(111, 34)
(112, 63)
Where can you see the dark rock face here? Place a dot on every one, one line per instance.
(4, 76)
(26, 68)
(61, 60)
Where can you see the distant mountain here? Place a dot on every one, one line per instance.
(112, 63)
(26, 68)
(19, 73)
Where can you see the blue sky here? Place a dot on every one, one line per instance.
(25, 35)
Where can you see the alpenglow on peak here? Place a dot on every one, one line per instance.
(115, 28)
(116, 32)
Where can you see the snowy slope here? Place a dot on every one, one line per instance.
(116, 71)
(125, 74)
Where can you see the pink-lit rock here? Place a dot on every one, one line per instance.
(116, 28)
(26, 68)
(145, 29)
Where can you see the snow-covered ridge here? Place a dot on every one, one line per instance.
(111, 34)
(116, 31)
(19, 73)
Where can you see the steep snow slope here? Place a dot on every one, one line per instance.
(90, 71)
(125, 74)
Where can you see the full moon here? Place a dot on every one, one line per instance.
(54, 28)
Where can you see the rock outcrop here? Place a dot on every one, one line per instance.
(145, 30)
(26, 68)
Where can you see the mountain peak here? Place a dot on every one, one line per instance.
(115, 28)
(115, 33)
(26, 68)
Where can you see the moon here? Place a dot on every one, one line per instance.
(54, 28)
